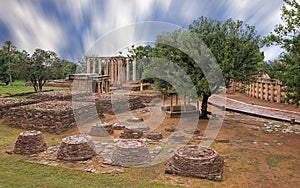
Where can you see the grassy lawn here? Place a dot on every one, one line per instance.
(18, 87)
(15, 172)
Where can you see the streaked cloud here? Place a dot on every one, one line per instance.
(70, 27)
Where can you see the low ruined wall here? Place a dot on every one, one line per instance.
(147, 98)
(113, 104)
(7, 103)
(106, 103)
(51, 116)
(52, 95)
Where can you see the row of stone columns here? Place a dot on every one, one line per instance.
(115, 67)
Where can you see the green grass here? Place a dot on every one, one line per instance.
(15, 172)
(18, 87)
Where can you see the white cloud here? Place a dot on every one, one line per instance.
(29, 26)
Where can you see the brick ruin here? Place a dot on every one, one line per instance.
(76, 148)
(130, 153)
(195, 161)
(56, 111)
(30, 142)
(7, 103)
(51, 116)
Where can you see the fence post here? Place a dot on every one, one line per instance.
(278, 96)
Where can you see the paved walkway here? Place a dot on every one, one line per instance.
(255, 110)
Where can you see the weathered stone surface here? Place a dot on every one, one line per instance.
(119, 126)
(130, 153)
(155, 135)
(52, 95)
(178, 137)
(197, 162)
(30, 142)
(131, 134)
(76, 148)
(141, 128)
(101, 129)
(170, 129)
(51, 116)
(135, 119)
(7, 103)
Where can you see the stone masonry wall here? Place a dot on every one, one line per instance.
(51, 116)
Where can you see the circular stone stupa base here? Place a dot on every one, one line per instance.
(30, 142)
(130, 153)
(199, 162)
(76, 148)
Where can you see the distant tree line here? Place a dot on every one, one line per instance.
(39, 67)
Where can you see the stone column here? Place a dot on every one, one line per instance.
(119, 71)
(116, 70)
(127, 69)
(88, 65)
(123, 70)
(112, 71)
(94, 65)
(134, 69)
(106, 67)
(100, 66)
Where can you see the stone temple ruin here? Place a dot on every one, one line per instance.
(195, 161)
(30, 142)
(76, 148)
(130, 153)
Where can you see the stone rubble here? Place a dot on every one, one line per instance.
(154, 135)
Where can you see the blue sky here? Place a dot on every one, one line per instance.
(70, 27)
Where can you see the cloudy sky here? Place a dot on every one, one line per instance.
(70, 27)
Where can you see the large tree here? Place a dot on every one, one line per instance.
(287, 36)
(8, 48)
(42, 66)
(234, 45)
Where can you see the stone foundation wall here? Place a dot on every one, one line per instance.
(113, 104)
(51, 116)
(7, 103)
(52, 95)
(147, 98)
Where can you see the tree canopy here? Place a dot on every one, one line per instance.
(233, 45)
(41, 66)
(287, 36)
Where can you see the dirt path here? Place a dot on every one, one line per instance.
(256, 110)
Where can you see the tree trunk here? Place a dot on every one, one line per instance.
(204, 112)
